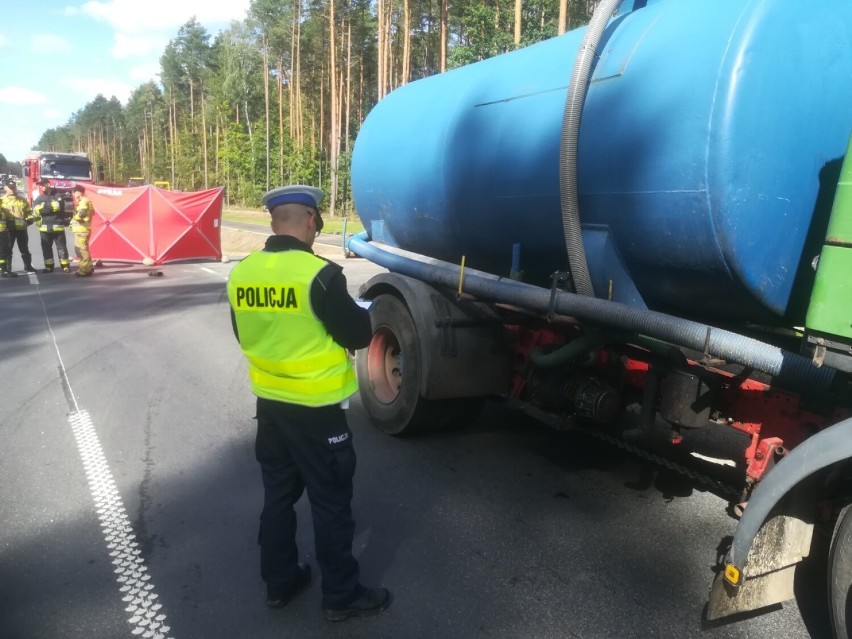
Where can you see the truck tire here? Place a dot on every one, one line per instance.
(390, 377)
(390, 370)
(840, 575)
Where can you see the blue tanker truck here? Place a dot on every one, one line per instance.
(641, 228)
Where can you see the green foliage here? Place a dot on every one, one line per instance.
(479, 39)
(205, 123)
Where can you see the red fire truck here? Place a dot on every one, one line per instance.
(62, 169)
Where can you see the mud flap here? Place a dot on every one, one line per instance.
(782, 542)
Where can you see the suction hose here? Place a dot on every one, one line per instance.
(569, 143)
(791, 370)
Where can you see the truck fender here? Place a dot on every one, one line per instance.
(827, 447)
(463, 348)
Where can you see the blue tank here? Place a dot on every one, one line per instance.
(710, 146)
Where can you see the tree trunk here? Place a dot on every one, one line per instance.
(291, 85)
(333, 136)
(172, 137)
(348, 80)
(563, 16)
(406, 42)
(300, 122)
(204, 138)
(380, 48)
(444, 35)
(281, 118)
(517, 23)
(265, 45)
(216, 142)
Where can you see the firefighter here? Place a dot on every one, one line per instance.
(50, 216)
(5, 243)
(81, 224)
(21, 218)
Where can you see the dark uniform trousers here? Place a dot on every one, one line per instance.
(47, 240)
(5, 251)
(307, 448)
(20, 237)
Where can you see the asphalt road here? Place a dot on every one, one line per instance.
(129, 495)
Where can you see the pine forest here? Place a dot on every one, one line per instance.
(278, 97)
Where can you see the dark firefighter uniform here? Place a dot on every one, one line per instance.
(21, 218)
(50, 216)
(295, 320)
(81, 224)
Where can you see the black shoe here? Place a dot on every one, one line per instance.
(47, 270)
(29, 269)
(373, 601)
(8, 274)
(276, 598)
(65, 269)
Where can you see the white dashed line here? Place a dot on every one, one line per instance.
(132, 574)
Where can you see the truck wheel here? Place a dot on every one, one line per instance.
(840, 574)
(389, 370)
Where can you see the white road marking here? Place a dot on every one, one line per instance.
(244, 230)
(134, 581)
(216, 273)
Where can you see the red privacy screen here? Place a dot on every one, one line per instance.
(131, 224)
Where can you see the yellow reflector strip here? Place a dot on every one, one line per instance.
(299, 366)
(732, 574)
(311, 387)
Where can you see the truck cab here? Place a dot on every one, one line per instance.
(62, 169)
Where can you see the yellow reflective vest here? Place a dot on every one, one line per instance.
(82, 220)
(291, 356)
(19, 213)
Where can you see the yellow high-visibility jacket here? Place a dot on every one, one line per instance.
(82, 220)
(291, 356)
(19, 213)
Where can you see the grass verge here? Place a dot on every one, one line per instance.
(332, 224)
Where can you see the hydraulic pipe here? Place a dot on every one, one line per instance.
(790, 369)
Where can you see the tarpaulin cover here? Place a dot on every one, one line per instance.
(131, 224)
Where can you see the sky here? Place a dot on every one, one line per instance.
(57, 55)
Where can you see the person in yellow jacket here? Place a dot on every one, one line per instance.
(81, 225)
(295, 321)
(5, 242)
(50, 216)
(20, 217)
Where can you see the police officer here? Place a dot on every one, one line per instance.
(81, 224)
(294, 321)
(21, 216)
(5, 242)
(50, 216)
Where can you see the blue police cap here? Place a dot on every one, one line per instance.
(293, 194)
